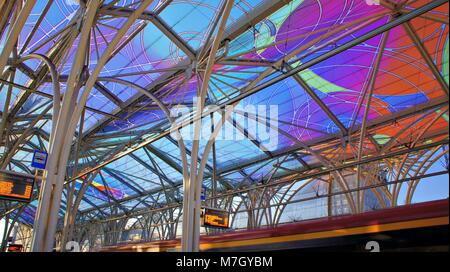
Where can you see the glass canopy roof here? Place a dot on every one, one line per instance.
(123, 143)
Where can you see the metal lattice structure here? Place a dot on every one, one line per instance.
(361, 90)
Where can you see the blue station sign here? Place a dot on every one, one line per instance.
(39, 159)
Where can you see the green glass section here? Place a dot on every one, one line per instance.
(265, 36)
(445, 115)
(318, 82)
(445, 65)
(381, 139)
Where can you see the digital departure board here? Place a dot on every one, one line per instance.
(215, 218)
(15, 186)
(15, 248)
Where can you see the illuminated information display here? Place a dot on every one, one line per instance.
(16, 187)
(215, 218)
(15, 248)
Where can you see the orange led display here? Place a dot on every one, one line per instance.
(15, 248)
(16, 187)
(215, 218)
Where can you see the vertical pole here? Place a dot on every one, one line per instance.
(70, 205)
(330, 198)
(71, 110)
(214, 170)
(6, 107)
(12, 40)
(371, 86)
(191, 213)
(43, 236)
(13, 34)
(201, 171)
(7, 7)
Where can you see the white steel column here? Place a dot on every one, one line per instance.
(43, 237)
(17, 23)
(68, 120)
(13, 34)
(191, 198)
(362, 137)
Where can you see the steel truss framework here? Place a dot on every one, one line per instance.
(75, 91)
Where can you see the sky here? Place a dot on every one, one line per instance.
(433, 188)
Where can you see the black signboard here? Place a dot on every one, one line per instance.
(16, 186)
